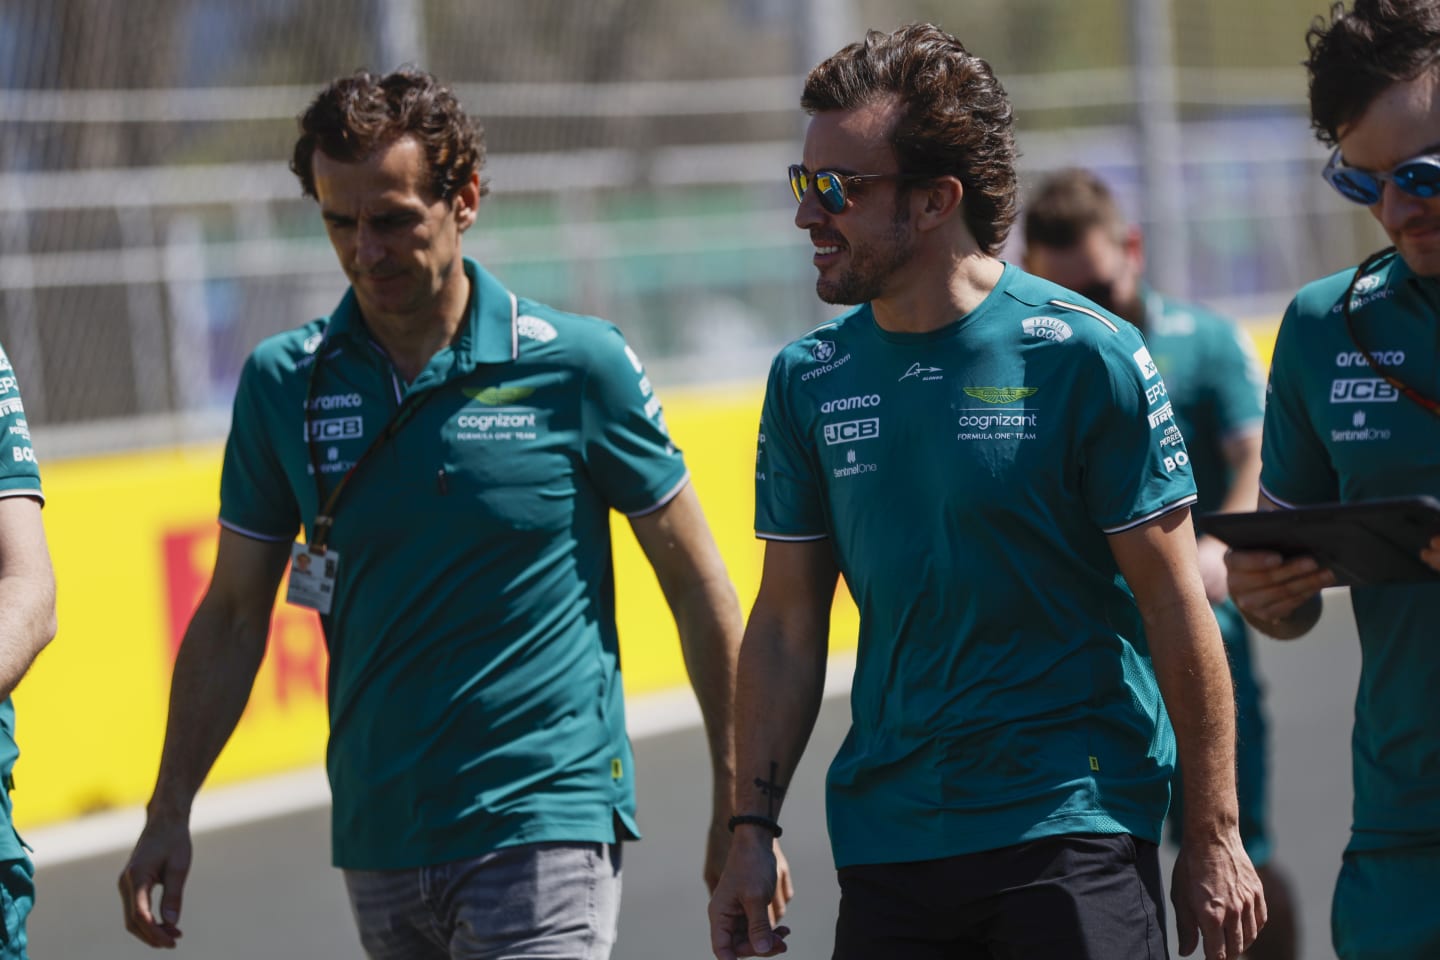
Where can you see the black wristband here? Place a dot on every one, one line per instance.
(756, 820)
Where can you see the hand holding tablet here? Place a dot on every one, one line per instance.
(1363, 543)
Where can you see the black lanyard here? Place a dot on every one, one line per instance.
(325, 518)
(1409, 392)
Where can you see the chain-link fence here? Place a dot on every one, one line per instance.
(150, 233)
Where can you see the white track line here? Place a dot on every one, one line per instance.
(114, 831)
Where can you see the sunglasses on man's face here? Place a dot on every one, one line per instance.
(1418, 176)
(833, 188)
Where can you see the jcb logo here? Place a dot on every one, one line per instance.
(852, 430)
(337, 428)
(1362, 391)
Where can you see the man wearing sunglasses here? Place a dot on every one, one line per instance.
(1352, 415)
(1077, 236)
(993, 465)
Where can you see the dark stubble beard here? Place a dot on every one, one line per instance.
(871, 266)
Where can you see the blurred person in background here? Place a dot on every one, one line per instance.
(27, 624)
(452, 452)
(1352, 415)
(987, 461)
(1077, 236)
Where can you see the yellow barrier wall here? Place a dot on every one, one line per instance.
(133, 540)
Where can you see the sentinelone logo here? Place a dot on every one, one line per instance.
(1360, 432)
(854, 469)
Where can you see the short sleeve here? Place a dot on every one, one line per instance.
(627, 447)
(1135, 463)
(19, 472)
(788, 504)
(255, 497)
(1295, 465)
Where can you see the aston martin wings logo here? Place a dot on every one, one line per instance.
(1000, 394)
(498, 396)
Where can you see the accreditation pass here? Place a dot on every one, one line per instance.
(312, 577)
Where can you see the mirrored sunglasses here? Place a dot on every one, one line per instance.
(1418, 176)
(833, 188)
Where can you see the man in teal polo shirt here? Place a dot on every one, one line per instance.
(452, 452)
(1077, 236)
(993, 466)
(1352, 416)
(27, 624)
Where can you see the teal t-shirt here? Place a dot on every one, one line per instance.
(1334, 430)
(474, 685)
(967, 479)
(19, 477)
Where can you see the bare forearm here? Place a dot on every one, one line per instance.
(1242, 453)
(778, 695)
(214, 672)
(710, 628)
(27, 624)
(1194, 677)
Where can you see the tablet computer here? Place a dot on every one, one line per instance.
(1365, 542)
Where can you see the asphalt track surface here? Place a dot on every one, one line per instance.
(265, 888)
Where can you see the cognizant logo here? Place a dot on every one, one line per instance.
(489, 421)
(990, 421)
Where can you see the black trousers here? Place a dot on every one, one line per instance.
(1074, 897)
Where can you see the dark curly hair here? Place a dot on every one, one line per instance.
(1359, 53)
(356, 115)
(955, 121)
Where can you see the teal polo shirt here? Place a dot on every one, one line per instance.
(1336, 431)
(967, 480)
(474, 679)
(19, 477)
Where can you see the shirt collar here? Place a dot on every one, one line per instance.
(488, 334)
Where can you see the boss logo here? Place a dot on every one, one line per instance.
(1180, 459)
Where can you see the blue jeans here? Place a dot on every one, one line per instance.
(558, 901)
